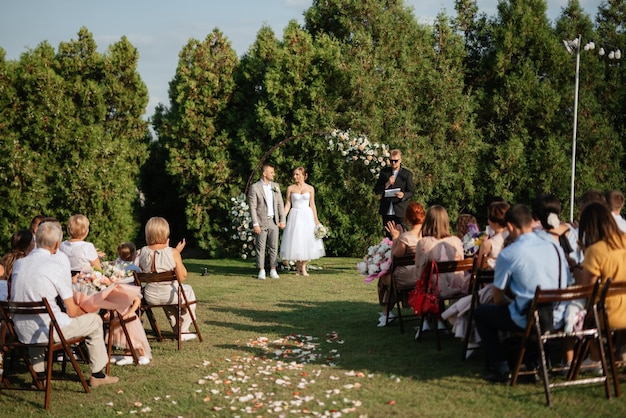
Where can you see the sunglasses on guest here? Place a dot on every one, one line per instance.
(393, 161)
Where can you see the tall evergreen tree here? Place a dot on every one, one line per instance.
(78, 136)
(405, 87)
(597, 138)
(198, 149)
(611, 34)
(528, 150)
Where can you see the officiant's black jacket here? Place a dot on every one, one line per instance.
(404, 181)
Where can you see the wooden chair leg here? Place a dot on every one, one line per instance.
(154, 325)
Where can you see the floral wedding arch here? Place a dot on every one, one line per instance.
(354, 148)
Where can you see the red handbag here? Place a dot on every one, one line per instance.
(424, 298)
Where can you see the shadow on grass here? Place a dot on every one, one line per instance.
(364, 346)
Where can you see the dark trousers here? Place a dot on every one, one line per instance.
(394, 218)
(490, 319)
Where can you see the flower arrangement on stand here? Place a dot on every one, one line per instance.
(359, 148)
(240, 224)
(377, 262)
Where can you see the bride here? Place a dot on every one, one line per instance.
(299, 242)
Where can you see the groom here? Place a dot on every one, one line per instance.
(268, 215)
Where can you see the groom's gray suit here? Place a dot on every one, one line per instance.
(268, 238)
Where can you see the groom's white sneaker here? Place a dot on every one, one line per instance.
(274, 274)
(261, 275)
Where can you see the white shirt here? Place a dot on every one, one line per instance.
(80, 254)
(269, 198)
(391, 211)
(621, 223)
(38, 276)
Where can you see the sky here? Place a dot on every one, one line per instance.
(160, 28)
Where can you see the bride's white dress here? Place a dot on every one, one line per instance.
(299, 242)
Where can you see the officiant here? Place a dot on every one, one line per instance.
(395, 185)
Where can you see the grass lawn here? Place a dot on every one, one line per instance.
(303, 346)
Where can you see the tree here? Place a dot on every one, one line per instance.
(598, 143)
(521, 105)
(78, 139)
(405, 86)
(191, 133)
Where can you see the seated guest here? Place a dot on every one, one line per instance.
(4, 286)
(469, 233)
(463, 224)
(438, 244)
(457, 314)
(546, 209)
(127, 256)
(403, 245)
(38, 276)
(82, 254)
(586, 198)
(158, 257)
(22, 244)
(531, 260)
(604, 245)
(492, 246)
(615, 200)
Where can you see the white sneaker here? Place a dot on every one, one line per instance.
(274, 274)
(382, 319)
(188, 337)
(470, 349)
(143, 360)
(590, 366)
(115, 359)
(261, 275)
(125, 361)
(441, 325)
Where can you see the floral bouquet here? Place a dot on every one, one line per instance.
(321, 231)
(377, 261)
(94, 280)
(472, 240)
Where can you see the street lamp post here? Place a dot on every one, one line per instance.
(574, 46)
(568, 45)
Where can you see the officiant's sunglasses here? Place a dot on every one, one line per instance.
(393, 161)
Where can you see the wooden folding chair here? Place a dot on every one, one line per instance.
(142, 279)
(466, 264)
(534, 333)
(611, 289)
(116, 320)
(400, 292)
(479, 279)
(11, 342)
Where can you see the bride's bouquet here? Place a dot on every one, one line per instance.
(321, 231)
(377, 261)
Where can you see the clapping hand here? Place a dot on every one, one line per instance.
(181, 245)
(394, 229)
